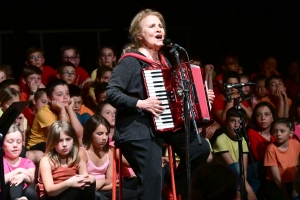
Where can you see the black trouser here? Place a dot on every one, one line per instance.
(87, 193)
(145, 158)
(107, 195)
(273, 192)
(13, 192)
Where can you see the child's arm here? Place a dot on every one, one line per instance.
(286, 106)
(107, 184)
(276, 175)
(208, 75)
(55, 189)
(83, 168)
(74, 121)
(26, 175)
(8, 176)
(247, 110)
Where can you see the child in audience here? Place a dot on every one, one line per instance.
(260, 137)
(268, 67)
(100, 92)
(3, 73)
(106, 57)
(98, 156)
(229, 63)
(107, 111)
(276, 91)
(12, 83)
(259, 91)
(67, 72)
(60, 108)
(292, 81)
(62, 174)
(35, 57)
(281, 160)
(31, 77)
(69, 53)
(226, 147)
(223, 102)
(18, 172)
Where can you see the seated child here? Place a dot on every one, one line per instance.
(31, 77)
(35, 57)
(226, 147)
(99, 156)
(62, 174)
(223, 101)
(260, 92)
(67, 72)
(281, 160)
(60, 108)
(268, 67)
(100, 92)
(276, 91)
(18, 172)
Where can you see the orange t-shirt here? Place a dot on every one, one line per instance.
(285, 160)
(59, 175)
(85, 109)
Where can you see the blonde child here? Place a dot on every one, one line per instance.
(18, 171)
(62, 174)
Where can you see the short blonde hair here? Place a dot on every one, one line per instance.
(53, 138)
(135, 28)
(14, 128)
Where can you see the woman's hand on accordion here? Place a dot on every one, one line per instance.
(152, 105)
(210, 95)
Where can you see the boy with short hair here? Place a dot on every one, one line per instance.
(79, 107)
(31, 77)
(100, 92)
(34, 56)
(277, 94)
(226, 147)
(67, 72)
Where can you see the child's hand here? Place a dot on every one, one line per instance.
(284, 95)
(57, 106)
(208, 69)
(76, 181)
(33, 86)
(210, 95)
(20, 121)
(17, 179)
(71, 104)
(42, 85)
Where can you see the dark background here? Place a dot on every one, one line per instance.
(210, 29)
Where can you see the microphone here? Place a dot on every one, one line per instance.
(239, 85)
(169, 43)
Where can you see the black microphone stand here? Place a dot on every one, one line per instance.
(239, 133)
(187, 113)
(6, 120)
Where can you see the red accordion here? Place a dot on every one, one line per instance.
(166, 84)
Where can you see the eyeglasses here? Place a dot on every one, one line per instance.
(66, 73)
(69, 58)
(38, 57)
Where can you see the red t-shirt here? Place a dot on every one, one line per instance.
(258, 144)
(217, 79)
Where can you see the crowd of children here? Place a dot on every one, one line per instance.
(67, 131)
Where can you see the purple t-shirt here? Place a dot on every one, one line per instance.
(24, 163)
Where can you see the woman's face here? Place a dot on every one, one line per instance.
(153, 33)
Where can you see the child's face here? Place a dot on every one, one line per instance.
(264, 117)
(40, 102)
(282, 133)
(33, 78)
(77, 103)
(246, 89)
(232, 124)
(262, 91)
(70, 56)
(107, 57)
(2, 76)
(65, 145)
(36, 59)
(100, 137)
(68, 74)
(274, 85)
(61, 94)
(232, 81)
(6, 105)
(105, 77)
(231, 65)
(109, 113)
(12, 145)
(101, 97)
(16, 87)
(269, 65)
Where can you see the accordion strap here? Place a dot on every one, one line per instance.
(147, 60)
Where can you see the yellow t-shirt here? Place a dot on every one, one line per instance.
(44, 117)
(224, 144)
(94, 75)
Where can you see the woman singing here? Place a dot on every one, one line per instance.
(135, 134)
